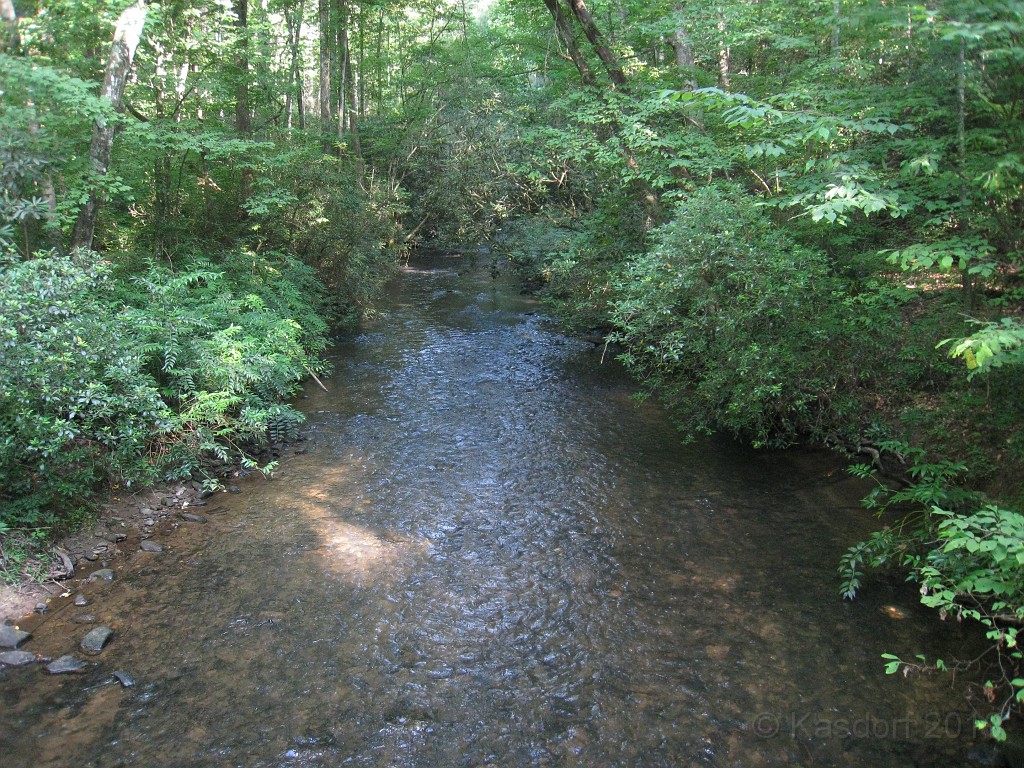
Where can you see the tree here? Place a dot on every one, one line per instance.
(127, 33)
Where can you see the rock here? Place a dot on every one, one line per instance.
(96, 639)
(234, 489)
(85, 618)
(126, 680)
(120, 536)
(91, 557)
(149, 521)
(10, 637)
(148, 545)
(301, 450)
(42, 607)
(167, 501)
(81, 600)
(192, 518)
(67, 569)
(65, 664)
(103, 573)
(17, 658)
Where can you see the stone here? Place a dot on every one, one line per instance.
(81, 600)
(167, 501)
(96, 639)
(17, 658)
(64, 665)
(67, 569)
(234, 489)
(85, 618)
(126, 680)
(192, 518)
(148, 545)
(119, 536)
(11, 637)
(42, 608)
(103, 573)
(91, 557)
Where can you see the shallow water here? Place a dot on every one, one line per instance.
(490, 555)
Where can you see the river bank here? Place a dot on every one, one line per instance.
(490, 554)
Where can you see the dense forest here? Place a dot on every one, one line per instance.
(796, 222)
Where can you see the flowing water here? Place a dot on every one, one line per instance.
(490, 555)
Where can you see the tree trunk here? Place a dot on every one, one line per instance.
(325, 70)
(293, 99)
(836, 56)
(345, 60)
(966, 279)
(243, 116)
(607, 56)
(12, 40)
(126, 39)
(565, 31)
(358, 79)
(680, 43)
(724, 61)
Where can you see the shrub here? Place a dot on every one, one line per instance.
(127, 381)
(76, 403)
(736, 325)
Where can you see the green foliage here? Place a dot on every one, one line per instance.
(106, 381)
(738, 326)
(967, 557)
(970, 567)
(75, 401)
(996, 344)
(22, 558)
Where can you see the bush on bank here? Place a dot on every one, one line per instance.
(129, 379)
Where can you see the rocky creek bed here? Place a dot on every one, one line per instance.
(485, 553)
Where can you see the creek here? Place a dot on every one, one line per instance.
(487, 553)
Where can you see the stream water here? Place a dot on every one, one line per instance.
(489, 554)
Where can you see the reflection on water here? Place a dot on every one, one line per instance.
(490, 556)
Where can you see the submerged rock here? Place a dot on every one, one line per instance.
(11, 637)
(192, 517)
(65, 664)
(17, 658)
(96, 639)
(81, 600)
(126, 680)
(103, 573)
(148, 545)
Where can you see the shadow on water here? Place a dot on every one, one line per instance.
(490, 555)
